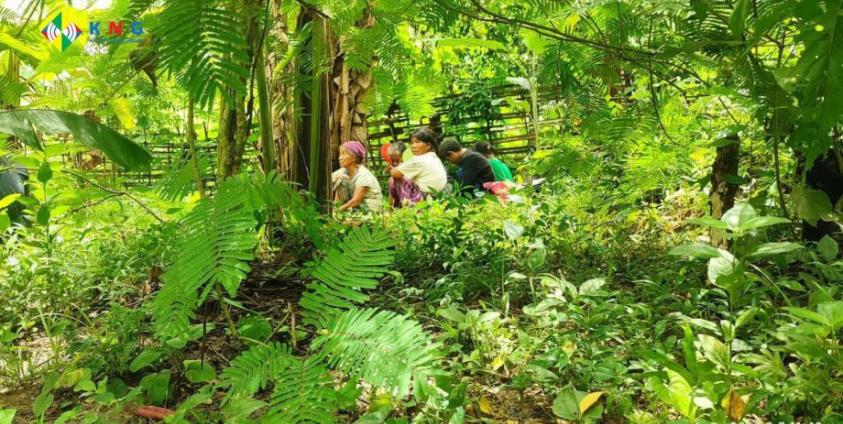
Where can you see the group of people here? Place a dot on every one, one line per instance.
(420, 175)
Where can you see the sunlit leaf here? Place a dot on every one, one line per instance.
(589, 400)
(775, 248)
(120, 149)
(698, 250)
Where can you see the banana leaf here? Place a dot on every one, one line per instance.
(119, 148)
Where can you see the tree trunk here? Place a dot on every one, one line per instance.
(233, 129)
(348, 88)
(312, 162)
(194, 153)
(267, 140)
(723, 192)
(281, 97)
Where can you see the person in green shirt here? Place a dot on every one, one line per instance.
(501, 171)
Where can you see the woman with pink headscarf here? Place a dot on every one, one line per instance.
(354, 185)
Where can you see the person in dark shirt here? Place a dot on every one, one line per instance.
(476, 169)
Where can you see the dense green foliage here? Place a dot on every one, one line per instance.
(167, 245)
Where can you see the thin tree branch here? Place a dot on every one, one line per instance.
(116, 192)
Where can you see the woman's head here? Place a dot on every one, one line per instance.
(396, 152)
(352, 153)
(423, 140)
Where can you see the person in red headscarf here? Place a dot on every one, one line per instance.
(354, 185)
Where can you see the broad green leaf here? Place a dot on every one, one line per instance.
(8, 200)
(790, 284)
(43, 216)
(740, 214)
(689, 351)
(41, 403)
(820, 79)
(591, 286)
(762, 221)
(512, 230)
(806, 314)
(812, 205)
(156, 386)
(679, 392)
(832, 313)
(534, 42)
(120, 149)
(737, 20)
(697, 250)
(471, 43)
(376, 417)
(73, 376)
(123, 110)
(197, 372)
(715, 350)
(523, 82)
(565, 405)
(663, 360)
(746, 316)
(5, 221)
(708, 221)
(44, 172)
(85, 386)
(775, 248)
(7, 416)
(723, 265)
(144, 359)
(827, 247)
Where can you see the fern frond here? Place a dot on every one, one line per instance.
(355, 264)
(255, 368)
(303, 393)
(216, 59)
(381, 347)
(217, 244)
(180, 180)
(172, 310)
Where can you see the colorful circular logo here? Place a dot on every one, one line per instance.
(64, 27)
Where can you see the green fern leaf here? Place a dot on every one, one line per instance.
(216, 60)
(355, 264)
(217, 244)
(172, 310)
(180, 180)
(255, 368)
(380, 347)
(303, 393)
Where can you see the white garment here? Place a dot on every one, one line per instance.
(372, 200)
(426, 171)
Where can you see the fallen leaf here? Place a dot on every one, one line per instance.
(152, 412)
(497, 363)
(589, 400)
(485, 406)
(734, 405)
